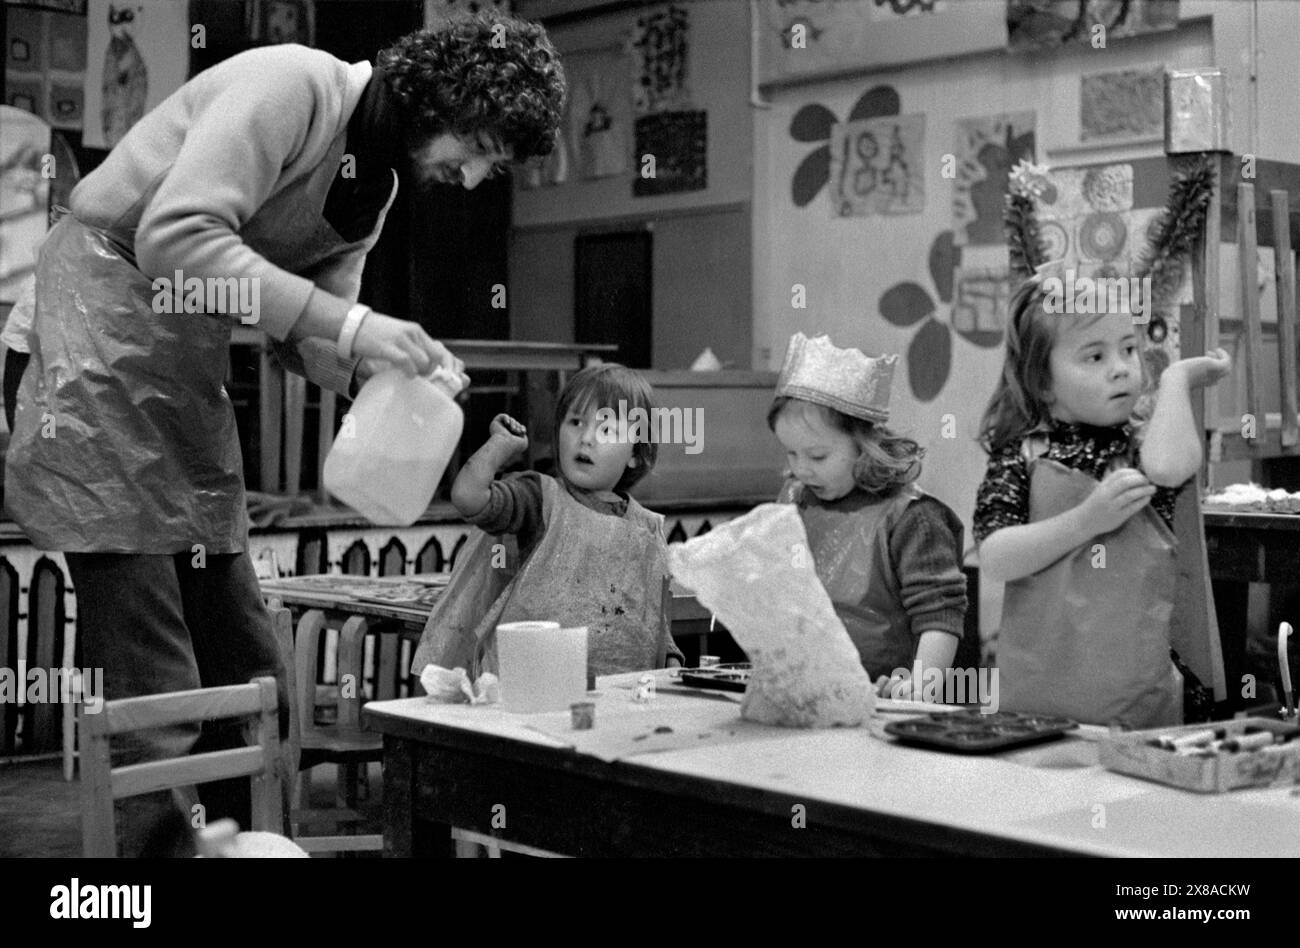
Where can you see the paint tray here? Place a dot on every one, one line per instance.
(970, 731)
(732, 677)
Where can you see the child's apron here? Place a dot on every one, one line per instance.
(605, 572)
(1091, 642)
(850, 551)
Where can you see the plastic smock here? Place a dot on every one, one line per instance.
(1092, 643)
(124, 439)
(605, 572)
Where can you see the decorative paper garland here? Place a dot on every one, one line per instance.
(1170, 239)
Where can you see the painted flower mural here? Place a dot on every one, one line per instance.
(907, 304)
(813, 122)
(969, 303)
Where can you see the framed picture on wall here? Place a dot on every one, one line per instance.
(801, 40)
(1126, 106)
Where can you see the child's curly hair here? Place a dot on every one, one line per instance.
(604, 385)
(887, 461)
(485, 76)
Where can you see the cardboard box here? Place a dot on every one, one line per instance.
(1133, 753)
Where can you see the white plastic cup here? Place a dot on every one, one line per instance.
(541, 666)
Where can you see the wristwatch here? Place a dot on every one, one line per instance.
(352, 323)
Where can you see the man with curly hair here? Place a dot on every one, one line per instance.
(251, 195)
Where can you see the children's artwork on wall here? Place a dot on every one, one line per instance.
(66, 105)
(598, 120)
(986, 149)
(76, 7)
(24, 196)
(45, 65)
(971, 287)
(438, 11)
(678, 144)
(1047, 24)
(281, 21)
(25, 41)
(1087, 220)
(816, 123)
(799, 39)
(660, 47)
(877, 166)
(1090, 221)
(885, 10)
(137, 55)
(1126, 105)
(982, 288)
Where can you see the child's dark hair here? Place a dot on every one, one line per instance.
(1021, 402)
(604, 385)
(482, 76)
(888, 461)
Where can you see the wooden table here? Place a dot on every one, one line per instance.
(836, 792)
(298, 596)
(290, 591)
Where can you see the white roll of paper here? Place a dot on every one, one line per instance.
(542, 667)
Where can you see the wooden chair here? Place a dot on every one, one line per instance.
(344, 743)
(101, 783)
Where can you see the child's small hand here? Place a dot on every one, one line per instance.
(509, 435)
(1204, 370)
(896, 687)
(1120, 495)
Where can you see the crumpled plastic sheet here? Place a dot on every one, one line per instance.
(452, 686)
(755, 574)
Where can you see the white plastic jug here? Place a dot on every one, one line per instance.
(394, 445)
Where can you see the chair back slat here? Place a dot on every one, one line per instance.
(351, 653)
(180, 707)
(306, 648)
(101, 784)
(154, 775)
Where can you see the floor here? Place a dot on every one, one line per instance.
(40, 812)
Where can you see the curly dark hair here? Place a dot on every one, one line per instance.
(484, 76)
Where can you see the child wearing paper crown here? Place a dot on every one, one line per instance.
(1075, 475)
(573, 549)
(888, 554)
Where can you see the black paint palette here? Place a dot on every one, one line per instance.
(973, 732)
(732, 677)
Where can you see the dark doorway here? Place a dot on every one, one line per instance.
(611, 293)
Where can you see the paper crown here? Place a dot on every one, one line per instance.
(843, 379)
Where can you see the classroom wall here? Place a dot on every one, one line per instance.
(701, 293)
(846, 264)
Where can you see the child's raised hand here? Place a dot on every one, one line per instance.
(1120, 495)
(509, 435)
(1204, 370)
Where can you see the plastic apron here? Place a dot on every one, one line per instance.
(124, 439)
(850, 551)
(1089, 642)
(607, 573)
